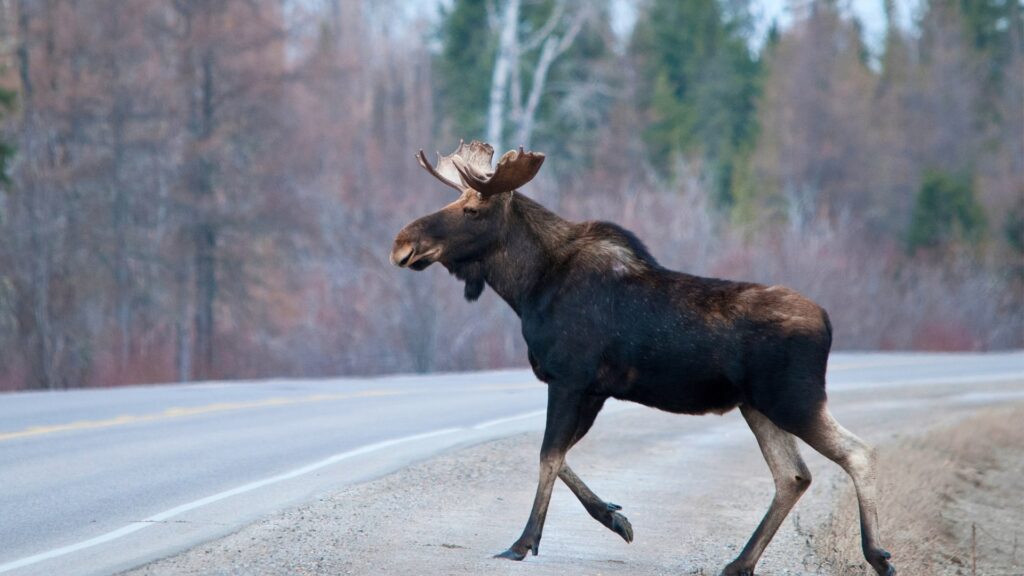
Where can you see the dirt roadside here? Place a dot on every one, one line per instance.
(693, 488)
(953, 501)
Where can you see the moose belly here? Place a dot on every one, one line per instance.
(680, 387)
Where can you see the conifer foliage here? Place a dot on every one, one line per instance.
(195, 189)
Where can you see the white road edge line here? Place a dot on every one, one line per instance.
(168, 514)
(497, 421)
(978, 378)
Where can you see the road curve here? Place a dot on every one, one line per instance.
(98, 481)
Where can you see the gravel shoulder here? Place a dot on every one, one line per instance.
(694, 488)
(953, 500)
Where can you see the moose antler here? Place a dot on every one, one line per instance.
(422, 159)
(469, 166)
(515, 169)
(476, 154)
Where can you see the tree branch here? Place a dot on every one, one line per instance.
(544, 31)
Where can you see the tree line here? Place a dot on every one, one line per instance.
(197, 189)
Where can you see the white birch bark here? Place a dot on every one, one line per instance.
(502, 104)
(502, 66)
(553, 47)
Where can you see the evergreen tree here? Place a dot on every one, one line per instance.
(7, 308)
(1013, 228)
(702, 81)
(467, 57)
(994, 29)
(990, 24)
(946, 211)
(7, 99)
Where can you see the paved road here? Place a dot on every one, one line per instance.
(92, 482)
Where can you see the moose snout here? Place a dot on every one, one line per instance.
(402, 252)
(414, 251)
(416, 255)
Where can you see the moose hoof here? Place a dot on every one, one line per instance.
(879, 560)
(738, 570)
(511, 554)
(621, 526)
(518, 551)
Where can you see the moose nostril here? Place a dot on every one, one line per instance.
(401, 256)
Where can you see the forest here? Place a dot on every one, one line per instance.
(208, 189)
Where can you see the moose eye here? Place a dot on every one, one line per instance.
(471, 212)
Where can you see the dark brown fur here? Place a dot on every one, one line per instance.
(601, 318)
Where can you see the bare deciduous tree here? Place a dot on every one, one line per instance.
(553, 39)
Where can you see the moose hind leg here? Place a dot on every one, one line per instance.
(791, 480)
(604, 512)
(859, 461)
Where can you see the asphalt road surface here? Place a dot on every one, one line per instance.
(99, 481)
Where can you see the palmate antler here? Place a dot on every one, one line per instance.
(470, 167)
(515, 169)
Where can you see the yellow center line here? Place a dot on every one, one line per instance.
(181, 412)
(220, 407)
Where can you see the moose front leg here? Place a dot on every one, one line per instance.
(604, 512)
(559, 432)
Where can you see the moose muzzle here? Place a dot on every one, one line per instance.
(415, 255)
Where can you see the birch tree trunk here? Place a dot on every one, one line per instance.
(503, 64)
(553, 47)
(511, 49)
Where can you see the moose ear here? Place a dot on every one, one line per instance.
(473, 289)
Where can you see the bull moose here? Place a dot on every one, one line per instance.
(602, 319)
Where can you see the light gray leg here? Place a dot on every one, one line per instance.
(860, 462)
(604, 512)
(791, 480)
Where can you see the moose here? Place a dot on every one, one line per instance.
(602, 319)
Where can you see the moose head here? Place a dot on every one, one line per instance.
(464, 232)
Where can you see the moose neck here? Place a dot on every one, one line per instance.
(535, 239)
